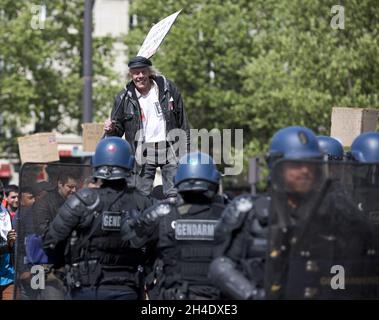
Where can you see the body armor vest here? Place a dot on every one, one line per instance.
(186, 242)
(97, 253)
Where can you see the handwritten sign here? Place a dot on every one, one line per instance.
(156, 35)
(92, 133)
(39, 147)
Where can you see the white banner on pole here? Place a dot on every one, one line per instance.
(156, 35)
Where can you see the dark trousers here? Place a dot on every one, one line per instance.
(104, 293)
(155, 157)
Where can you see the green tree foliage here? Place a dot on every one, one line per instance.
(41, 68)
(306, 67)
(258, 65)
(261, 65)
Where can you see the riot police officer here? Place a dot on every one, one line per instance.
(365, 148)
(331, 147)
(363, 191)
(184, 231)
(334, 157)
(99, 264)
(238, 267)
(365, 154)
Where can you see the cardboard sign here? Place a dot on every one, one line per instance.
(348, 123)
(156, 35)
(39, 147)
(92, 133)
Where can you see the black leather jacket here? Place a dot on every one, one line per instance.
(127, 112)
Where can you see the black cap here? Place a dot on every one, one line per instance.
(139, 62)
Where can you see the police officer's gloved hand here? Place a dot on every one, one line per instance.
(135, 223)
(129, 221)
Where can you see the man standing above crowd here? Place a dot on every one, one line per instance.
(153, 104)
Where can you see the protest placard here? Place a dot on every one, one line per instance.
(92, 133)
(39, 147)
(156, 35)
(348, 123)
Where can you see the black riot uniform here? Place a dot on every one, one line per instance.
(241, 234)
(97, 256)
(313, 235)
(184, 234)
(99, 264)
(240, 260)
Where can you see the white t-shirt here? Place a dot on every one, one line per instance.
(5, 222)
(154, 125)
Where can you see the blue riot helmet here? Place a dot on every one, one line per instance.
(197, 173)
(294, 142)
(365, 148)
(331, 147)
(113, 159)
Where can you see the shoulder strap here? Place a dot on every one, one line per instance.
(165, 83)
(166, 95)
(122, 98)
